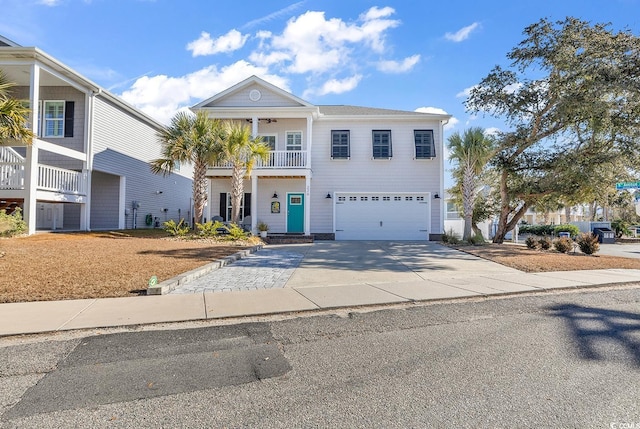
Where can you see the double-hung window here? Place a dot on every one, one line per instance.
(425, 148)
(53, 115)
(270, 140)
(340, 144)
(382, 144)
(294, 140)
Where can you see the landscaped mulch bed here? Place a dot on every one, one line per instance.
(534, 261)
(56, 266)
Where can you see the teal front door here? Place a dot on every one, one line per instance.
(295, 213)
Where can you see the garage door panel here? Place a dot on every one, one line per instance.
(378, 216)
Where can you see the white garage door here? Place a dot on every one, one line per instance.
(382, 216)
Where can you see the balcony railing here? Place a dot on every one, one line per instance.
(279, 159)
(61, 180)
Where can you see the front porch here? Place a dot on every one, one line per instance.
(24, 183)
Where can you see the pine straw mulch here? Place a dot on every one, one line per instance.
(535, 261)
(58, 266)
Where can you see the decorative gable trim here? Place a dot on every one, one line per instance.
(246, 83)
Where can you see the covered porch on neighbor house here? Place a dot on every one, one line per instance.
(40, 189)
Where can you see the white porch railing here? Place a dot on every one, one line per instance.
(279, 159)
(61, 180)
(11, 169)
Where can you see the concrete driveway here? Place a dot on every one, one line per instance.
(332, 263)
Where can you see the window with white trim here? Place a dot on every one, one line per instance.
(425, 148)
(381, 144)
(294, 140)
(269, 139)
(340, 144)
(53, 118)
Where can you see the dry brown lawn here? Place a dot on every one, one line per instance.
(59, 266)
(56, 266)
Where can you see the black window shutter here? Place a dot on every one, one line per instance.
(223, 205)
(247, 204)
(68, 118)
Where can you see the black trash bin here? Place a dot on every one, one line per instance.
(605, 235)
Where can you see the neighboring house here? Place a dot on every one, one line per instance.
(335, 172)
(88, 168)
(454, 221)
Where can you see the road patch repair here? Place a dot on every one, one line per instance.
(122, 367)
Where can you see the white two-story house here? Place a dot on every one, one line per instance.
(88, 167)
(334, 172)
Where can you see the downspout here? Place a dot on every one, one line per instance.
(441, 166)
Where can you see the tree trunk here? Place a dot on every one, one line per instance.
(199, 190)
(468, 197)
(237, 190)
(567, 214)
(504, 223)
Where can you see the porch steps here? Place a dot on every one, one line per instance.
(10, 204)
(288, 239)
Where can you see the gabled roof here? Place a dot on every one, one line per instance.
(247, 82)
(7, 42)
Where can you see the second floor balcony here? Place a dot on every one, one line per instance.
(278, 159)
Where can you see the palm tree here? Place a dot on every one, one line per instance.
(472, 151)
(190, 139)
(239, 149)
(14, 115)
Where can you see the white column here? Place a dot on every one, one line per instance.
(254, 126)
(85, 208)
(122, 203)
(31, 167)
(307, 205)
(254, 202)
(309, 139)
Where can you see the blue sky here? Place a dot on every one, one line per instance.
(162, 55)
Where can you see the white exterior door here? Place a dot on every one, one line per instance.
(382, 216)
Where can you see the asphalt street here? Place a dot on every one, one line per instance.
(569, 359)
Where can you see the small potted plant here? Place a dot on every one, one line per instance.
(263, 228)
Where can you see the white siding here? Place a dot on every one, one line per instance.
(268, 99)
(361, 173)
(123, 146)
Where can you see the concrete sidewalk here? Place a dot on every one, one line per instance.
(331, 275)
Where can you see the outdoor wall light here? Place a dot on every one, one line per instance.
(275, 195)
(436, 196)
(328, 195)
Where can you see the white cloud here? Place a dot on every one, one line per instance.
(162, 96)
(336, 86)
(49, 2)
(462, 34)
(229, 42)
(492, 131)
(403, 66)
(465, 93)
(310, 43)
(434, 110)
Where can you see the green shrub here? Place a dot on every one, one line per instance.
(571, 229)
(12, 224)
(179, 229)
(563, 244)
(476, 240)
(536, 229)
(545, 243)
(620, 227)
(450, 237)
(236, 233)
(531, 242)
(588, 243)
(210, 229)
